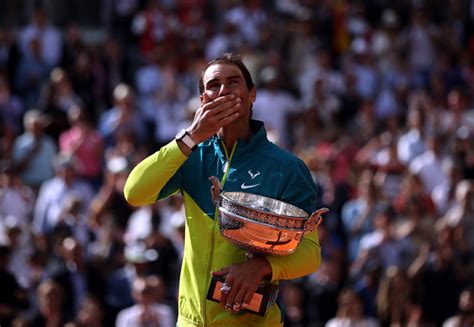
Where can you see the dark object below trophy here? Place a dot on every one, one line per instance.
(264, 297)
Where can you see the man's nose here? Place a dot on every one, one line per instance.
(224, 90)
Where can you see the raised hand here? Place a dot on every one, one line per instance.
(213, 115)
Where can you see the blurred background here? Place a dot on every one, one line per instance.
(376, 96)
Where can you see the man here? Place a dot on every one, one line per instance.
(33, 151)
(223, 141)
(147, 310)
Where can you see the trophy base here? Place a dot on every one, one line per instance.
(264, 297)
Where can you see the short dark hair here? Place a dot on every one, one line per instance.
(232, 59)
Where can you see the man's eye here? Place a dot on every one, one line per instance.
(212, 86)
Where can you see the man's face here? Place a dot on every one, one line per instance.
(225, 79)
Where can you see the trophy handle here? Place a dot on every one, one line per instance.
(314, 220)
(216, 190)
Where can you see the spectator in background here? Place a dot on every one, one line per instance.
(55, 193)
(421, 43)
(465, 314)
(412, 143)
(117, 69)
(33, 151)
(386, 40)
(12, 297)
(11, 107)
(438, 277)
(76, 276)
(90, 314)
(274, 104)
(56, 99)
(148, 310)
(326, 104)
(16, 198)
(149, 80)
(47, 36)
(73, 222)
(85, 143)
(321, 292)
(381, 246)
(119, 293)
(291, 294)
(368, 285)
(121, 16)
(50, 298)
(169, 105)
(461, 218)
(9, 54)
(223, 39)
(443, 195)
(122, 115)
(126, 146)
(361, 64)
(358, 213)
(32, 73)
(108, 206)
(412, 190)
(87, 77)
(166, 266)
(429, 164)
(250, 18)
(350, 312)
(11, 115)
(153, 26)
(414, 228)
(393, 296)
(17, 237)
(72, 46)
(380, 155)
(456, 114)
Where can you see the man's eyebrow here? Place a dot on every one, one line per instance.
(227, 78)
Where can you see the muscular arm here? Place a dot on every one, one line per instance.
(148, 178)
(305, 260)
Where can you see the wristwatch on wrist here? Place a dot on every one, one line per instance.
(183, 136)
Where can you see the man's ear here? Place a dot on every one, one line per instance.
(253, 94)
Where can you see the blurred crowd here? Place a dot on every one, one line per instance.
(376, 96)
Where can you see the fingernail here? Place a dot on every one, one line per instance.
(244, 305)
(236, 307)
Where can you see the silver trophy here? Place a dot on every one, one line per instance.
(261, 226)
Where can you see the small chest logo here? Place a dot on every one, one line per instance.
(252, 174)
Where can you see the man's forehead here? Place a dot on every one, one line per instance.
(221, 71)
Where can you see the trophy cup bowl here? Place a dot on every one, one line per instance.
(261, 226)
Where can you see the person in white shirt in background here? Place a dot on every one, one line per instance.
(350, 312)
(33, 151)
(273, 105)
(147, 311)
(55, 194)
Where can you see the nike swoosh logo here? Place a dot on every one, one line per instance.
(244, 186)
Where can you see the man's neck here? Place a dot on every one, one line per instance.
(233, 132)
